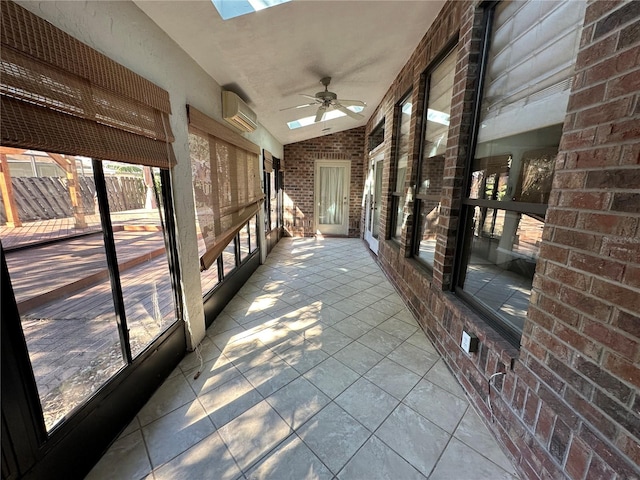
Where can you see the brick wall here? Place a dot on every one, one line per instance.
(568, 405)
(300, 161)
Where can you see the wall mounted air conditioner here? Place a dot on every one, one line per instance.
(238, 113)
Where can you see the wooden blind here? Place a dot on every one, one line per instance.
(226, 182)
(267, 160)
(58, 94)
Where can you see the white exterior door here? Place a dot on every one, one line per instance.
(373, 204)
(332, 179)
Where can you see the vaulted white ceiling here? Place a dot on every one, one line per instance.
(272, 56)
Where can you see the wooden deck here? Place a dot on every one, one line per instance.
(66, 304)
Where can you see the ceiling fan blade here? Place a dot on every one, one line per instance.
(346, 111)
(320, 113)
(299, 106)
(351, 103)
(310, 97)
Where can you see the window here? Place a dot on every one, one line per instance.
(527, 85)
(402, 160)
(100, 290)
(226, 186)
(431, 166)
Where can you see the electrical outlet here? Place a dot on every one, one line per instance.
(469, 342)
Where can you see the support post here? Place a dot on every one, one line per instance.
(10, 206)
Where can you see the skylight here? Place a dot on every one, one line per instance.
(333, 114)
(234, 8)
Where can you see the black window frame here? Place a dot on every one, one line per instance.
(394, 195)
(425, 84)
(465, 233)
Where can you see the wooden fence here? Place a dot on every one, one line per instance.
(46, 198)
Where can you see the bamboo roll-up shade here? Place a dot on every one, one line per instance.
(62, 95)
(267, 160)
(226, 183)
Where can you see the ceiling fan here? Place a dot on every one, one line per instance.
(327, 101)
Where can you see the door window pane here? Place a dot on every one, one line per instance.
(137, 219)
(243, 238)
(331, 185)
(63, 292)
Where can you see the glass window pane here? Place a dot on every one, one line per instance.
(504, 250)
(253, 234)
(403, 144)
(137, 218)
(63, 292)
(398, 206)
(431, 171)
(244, 242)
(428, 217)
(517, 168)
(273, 200)
(229, 258)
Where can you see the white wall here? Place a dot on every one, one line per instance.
(120, 30)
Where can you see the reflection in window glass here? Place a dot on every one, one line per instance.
(137, 218)
(253, 234)
(64, 297)
(402, 158)
(229, 258)
(502, 261)
(514, 174)
(243, 239)
(431, 168)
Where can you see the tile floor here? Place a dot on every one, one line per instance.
(315, 370)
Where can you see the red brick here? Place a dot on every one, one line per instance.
(616, 19)
(632, 276)
(554, 253)
(626, 202)
(619, 465)
(616, 294)
(621, 63)
(596, 51)
(622, 369)
(598, 469)
(587, 304)
(585, 200)
(575, 239)
(628, 84)
(596, 10)
(577, 341)
(623, 249)
(567, 276)
(603, 113)
(591, 414)
(544, 426)
(629, 447)
(559, 310)
(608, 337)
(578, 459)
(621, 130)
(603, 379)
(630, 154)
(628, 322)
(551, 343)
(530, 411)
(602, 267)
(580, 138)
(607, 223)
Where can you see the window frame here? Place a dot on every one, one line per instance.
(465, 233)
(394, 195)
(425, 84)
